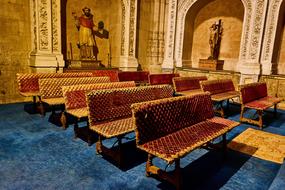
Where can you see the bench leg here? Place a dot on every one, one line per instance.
(260, 122)
(174, 178)
(99, 145)
(63, 120)
(42, 109)
(275, 110)
(75, 128)
(224, 141)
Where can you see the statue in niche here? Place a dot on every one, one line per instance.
(216, 31)
(87, 43)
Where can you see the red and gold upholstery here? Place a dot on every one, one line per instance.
(115, 104)
(110, 115)
(220, 91)
(173, 127)
(188, 85)
(140, 77)
(112, 74)
(165, 78)
(75, 98)
(29, 82)
(51, 89)
(254, 96)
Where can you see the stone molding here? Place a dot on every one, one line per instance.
(270, 35)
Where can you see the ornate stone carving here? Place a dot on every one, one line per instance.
(132, 30)
(270, 30)
(34, 25)
(155, 47)
(256, 30)
(43, 25)
(123, 3)
(55, 24)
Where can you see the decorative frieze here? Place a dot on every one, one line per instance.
(43, 25)
(55, 23)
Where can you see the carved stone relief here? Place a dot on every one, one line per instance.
(55, 24)
(270, 30)
(43, 25)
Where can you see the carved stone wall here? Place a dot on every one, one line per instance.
(15, 45)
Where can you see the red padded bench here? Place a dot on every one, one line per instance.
(220, 90)
(254, 96)
(171, 128)
(110, 114)
(28, 83)
(140, 77)
(187, 85)
(75, 99)
(112, 74)
(51, 91)
(165, 78)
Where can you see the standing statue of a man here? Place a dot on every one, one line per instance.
(215, 40)
(87, 43)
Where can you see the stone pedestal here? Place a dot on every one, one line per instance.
(211, 64)
(85, 64)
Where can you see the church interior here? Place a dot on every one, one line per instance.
(142, 94)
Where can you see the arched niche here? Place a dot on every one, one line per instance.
(185, 5)
(108, 11)
(198, 20)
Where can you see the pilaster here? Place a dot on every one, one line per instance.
(46, 36)
(127, 59)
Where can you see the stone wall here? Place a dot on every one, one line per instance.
(196, 45)
(107, 11)
(15, 46)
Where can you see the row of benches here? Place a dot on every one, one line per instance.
(167, 128)
(220, 90)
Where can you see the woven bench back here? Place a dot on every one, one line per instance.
(137, 76)
(253, 91)
(158, 118)
(217, 86)
(112, 74)
(166, 78)
(75, 95)
(187, 83)
(107, 105)
(52, 88)
(29, 82)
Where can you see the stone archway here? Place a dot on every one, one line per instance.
(183, 8)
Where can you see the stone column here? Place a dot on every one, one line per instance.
(269, 66)
(156, 37)
(46, 53)
(127, 60)
(249, 65)
(168, 61)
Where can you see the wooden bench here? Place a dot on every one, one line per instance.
(254, 96)
(51, 91)
(28, 83)
(165, 78)
(187, 85)
(171, 128)
(220, 90)
(110, 114)
(75, 100)
(112, 74)
(140, 77)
